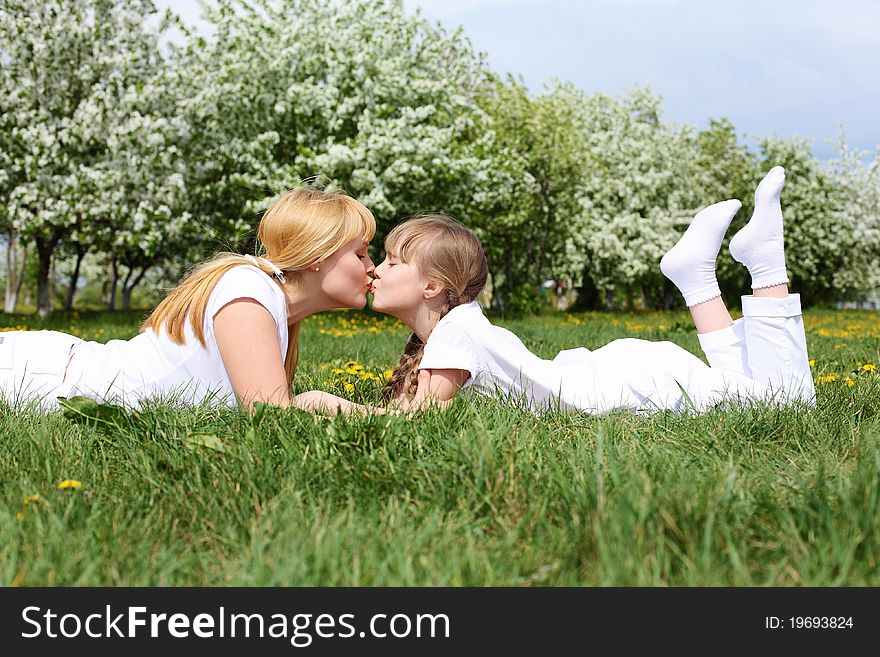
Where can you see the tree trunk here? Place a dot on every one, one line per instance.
(127, 287)
(71, 290)
(667, 294)
(44, 255)
(14, 271)
(549, 218)
(609, 298)
(53, 287)
(646, 297)
(114, 277)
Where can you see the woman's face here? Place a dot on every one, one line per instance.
(346, 275)
(398, 288)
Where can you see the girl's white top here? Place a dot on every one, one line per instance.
(641, 375)
(150, 364)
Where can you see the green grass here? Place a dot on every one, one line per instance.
(481, 495)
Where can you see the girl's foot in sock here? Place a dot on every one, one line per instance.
(759, 244)
(690, 264)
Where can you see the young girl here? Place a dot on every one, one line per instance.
(231, 326)
(435, 268)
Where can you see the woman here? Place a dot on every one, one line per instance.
(435, 268)
(228, 332)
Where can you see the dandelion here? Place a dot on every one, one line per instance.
(31, 499)
(349, 364)
(69, 483)
(850, 382)
(349, 387)
(812, 362)
(388, 374)
(19, 516)
(869, 367)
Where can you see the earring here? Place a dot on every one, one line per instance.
(317, 269)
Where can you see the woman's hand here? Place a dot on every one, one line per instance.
(324, 403)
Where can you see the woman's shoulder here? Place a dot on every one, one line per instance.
(251, 282)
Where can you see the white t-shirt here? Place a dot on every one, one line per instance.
(641, 375)
(150, 364)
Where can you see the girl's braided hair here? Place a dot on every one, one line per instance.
(447, 253)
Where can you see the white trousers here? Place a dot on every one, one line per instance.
(32, 365)
(767, 344)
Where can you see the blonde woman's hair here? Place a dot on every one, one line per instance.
(447, 253)
(300, 228)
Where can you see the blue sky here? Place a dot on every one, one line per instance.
(772, 66)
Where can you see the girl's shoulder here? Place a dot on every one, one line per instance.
(465, 315)
(464, 325)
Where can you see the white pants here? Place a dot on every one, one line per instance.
(767, 344)
(32, 365)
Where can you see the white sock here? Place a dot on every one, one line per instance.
(690, 264)
(759, 244)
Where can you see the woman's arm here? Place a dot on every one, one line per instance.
(436, 388)
(248, 342)
(324, 403)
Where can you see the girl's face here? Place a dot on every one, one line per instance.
(398, 289)
(346, 275)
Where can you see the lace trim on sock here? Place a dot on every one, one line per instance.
(761, 287)
(714, 296)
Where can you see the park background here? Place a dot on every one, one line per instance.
(134, 147)
(129, 154)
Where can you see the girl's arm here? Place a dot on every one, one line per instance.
(437, 388)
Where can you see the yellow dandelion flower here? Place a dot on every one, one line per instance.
(69, 483)
(31, 499)
(869, 367)
(388, 374)
(357, 368)
(336, 370)
(349, 387)
(349, 364)
(19, 516)
(812, 362)
(850, 382)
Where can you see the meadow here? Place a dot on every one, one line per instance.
(484, 494)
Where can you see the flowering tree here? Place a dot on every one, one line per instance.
(819, 237)
(357, 93)
(855, 223)
(525, 197)
(74, 78)
(636, 196)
